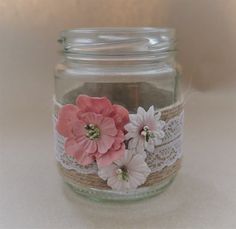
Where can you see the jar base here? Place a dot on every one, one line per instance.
(116, 196)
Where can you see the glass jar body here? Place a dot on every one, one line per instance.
(135, 84)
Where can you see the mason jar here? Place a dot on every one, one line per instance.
(118, 112)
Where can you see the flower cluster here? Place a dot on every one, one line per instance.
(98, 131)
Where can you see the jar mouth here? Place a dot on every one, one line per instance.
(137, 30)
(118, 43)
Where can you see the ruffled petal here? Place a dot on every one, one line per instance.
(72, 147)
(107, 127)
(118, 140)
(84, 159)
(106, 172)
(112, 155)
(104, 143)
(87, 145)
(78, 129)
(141, 111)
(91, 118)
(136, 179)
(130, 127)
(114, 183)
(121, 116)
(67, 115)
(140, 145)
(125, 159)
(99, 105)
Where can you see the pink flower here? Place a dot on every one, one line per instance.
(127, 173)
(93, 129)
(145, 130)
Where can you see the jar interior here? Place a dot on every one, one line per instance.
(160, 93)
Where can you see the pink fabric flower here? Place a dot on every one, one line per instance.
(145, 130)
(127, 173)
(93, 129)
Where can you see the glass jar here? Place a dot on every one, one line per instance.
(118, 112)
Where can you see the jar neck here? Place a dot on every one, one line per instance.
(118, 46)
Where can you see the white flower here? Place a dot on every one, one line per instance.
(144, 130)
(127, 173)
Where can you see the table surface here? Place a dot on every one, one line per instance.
(203, 195)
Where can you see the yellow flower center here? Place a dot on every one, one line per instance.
(93, 131)
(147, 133)
(122, 173)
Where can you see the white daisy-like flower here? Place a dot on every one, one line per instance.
(145, 130)
(127, 173)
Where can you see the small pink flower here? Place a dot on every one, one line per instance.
(93, 129)
(127, 173)
(145, 130)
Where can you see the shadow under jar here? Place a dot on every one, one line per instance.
(118, 112)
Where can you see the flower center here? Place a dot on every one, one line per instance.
(147, 133)
(93, 131)
(122, 173)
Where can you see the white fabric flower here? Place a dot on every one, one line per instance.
(145, 130)
(127, 173)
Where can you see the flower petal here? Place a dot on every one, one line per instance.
(107, 127)
(91, 118)
(125, 159)
(112, 155)
(140, 145)
(121, 116)
(72, 147)
(87, 145)
(78, 129)
(114, 183)
(67, 115)
(84, 159)
(141, 111)
(130, 127)
(106, 172)
(137, 179)
(104, 143)
(99, 105)
(118, 140)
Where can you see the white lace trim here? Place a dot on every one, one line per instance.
(173, 128)
(164, 155)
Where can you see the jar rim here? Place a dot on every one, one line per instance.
(138, 30)
(118, 41)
